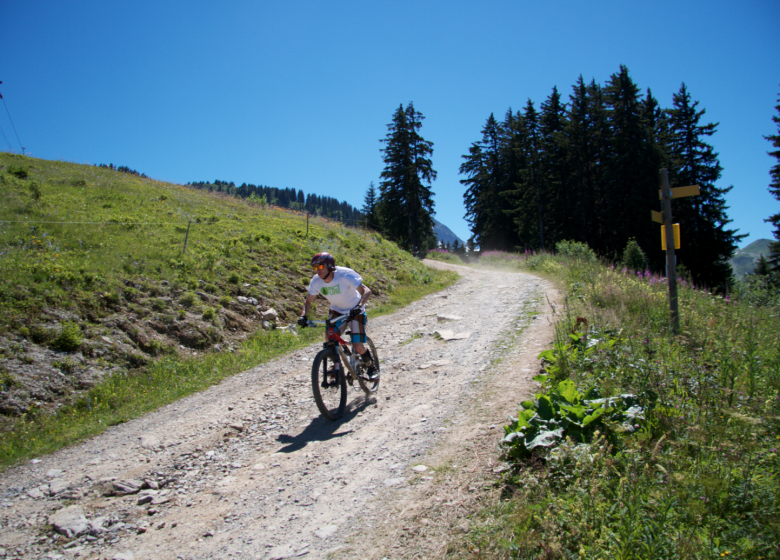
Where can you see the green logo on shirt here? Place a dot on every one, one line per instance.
(332, 291)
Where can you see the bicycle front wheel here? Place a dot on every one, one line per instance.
(328, 385)
(369, 385)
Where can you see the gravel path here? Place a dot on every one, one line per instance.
(248, 468)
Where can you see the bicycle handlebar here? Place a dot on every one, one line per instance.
(326, 322)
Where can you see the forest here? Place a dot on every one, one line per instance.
(587, 170)
(293, 199)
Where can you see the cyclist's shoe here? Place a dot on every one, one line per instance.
(371, 374)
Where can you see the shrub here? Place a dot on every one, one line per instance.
(40, 334)
(224, 301)
(209, 314)
(68, 338)
(18, 172)
(158, 305)
(634, 257)
(576, 250)
(188, 299)
(234, 278)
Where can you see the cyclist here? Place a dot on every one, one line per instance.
(346, 293)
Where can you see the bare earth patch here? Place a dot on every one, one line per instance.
(248, 469)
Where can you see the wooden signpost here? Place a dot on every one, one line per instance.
(666, 194)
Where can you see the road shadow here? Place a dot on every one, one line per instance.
(320, 429)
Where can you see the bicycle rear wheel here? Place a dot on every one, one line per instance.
(369, 385)
(328, 385)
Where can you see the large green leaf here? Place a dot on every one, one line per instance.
(545, 408)
(577, 411)
(523, 417)
(568, 391)
(545, 439)
(595, 415)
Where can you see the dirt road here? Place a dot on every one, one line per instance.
(248, 469)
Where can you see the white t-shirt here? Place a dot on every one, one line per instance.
(341, 292)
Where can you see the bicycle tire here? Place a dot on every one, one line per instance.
(331, 400)
(370, 386)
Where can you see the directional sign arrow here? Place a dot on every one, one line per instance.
(680, 192)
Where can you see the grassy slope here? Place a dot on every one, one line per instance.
(696, 476)
(96, 279)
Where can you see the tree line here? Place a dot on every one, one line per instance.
(586, 170)
(293, 199)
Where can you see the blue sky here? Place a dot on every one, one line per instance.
(299, 93)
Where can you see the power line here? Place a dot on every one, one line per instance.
(6, 140)
(12, 124)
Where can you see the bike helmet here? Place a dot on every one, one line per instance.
(324, 258)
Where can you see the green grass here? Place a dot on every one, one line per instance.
(697, 476)
(94, 243)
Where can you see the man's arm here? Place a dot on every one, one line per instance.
(365, 293)
(307, 305)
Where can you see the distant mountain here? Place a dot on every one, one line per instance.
(444, 233)
(744, 260)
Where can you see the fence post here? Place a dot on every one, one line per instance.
(186, 236)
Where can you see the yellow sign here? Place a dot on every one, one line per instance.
(676, 228)
(656, 216)
(680, 192)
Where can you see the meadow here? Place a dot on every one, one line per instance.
(147, 283)
(641, 444)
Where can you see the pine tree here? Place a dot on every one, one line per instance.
(405, 198)
(583, 139)
(369, 206)
(482, 198)
(706, 246)
(630, 175)
(774, 189)
(560, 200)
(762, 267)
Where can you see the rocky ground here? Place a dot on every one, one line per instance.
(248, 468)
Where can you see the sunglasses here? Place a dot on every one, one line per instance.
(318, 266)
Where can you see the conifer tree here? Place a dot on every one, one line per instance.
(405, 197)
(584, 133)
(630, 175)
(533, 149)
(706, 244)
(369, 206)
(482, 198)
(774, 189)
(560, 200)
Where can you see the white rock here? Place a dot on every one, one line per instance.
(34, 493)
(270, 315)
(149, 441)
(281, 552)
(393, 481)
(419, 468)
(58, 485)
(69, 521)
(54, 473)
(326, 531)
(443, 317)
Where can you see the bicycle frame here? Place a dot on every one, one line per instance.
(335, 340)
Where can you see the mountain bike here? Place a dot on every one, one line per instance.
(328, 378)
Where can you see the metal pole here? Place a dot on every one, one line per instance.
(186, 236)
(671, 258)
